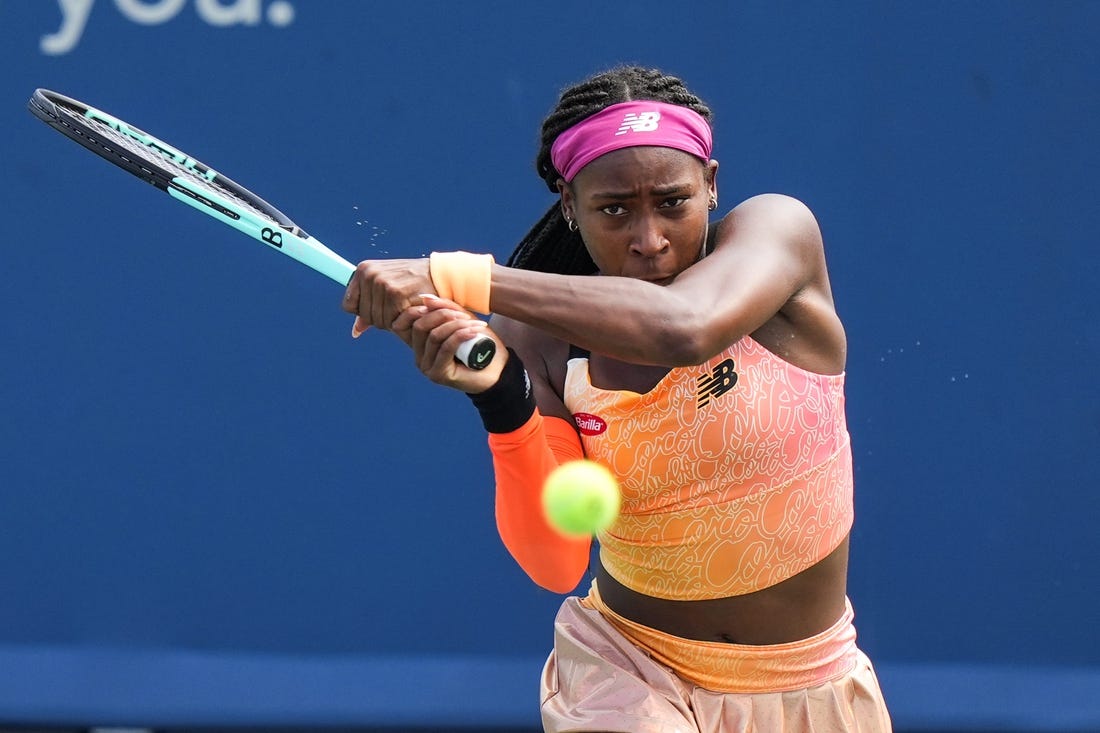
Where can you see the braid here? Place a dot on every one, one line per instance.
(550, 246)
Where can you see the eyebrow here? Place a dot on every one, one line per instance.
(669, 190)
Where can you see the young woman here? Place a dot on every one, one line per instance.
(703, 363)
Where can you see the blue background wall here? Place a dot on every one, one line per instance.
(217, 507)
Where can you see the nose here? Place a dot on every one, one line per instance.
(647, 238)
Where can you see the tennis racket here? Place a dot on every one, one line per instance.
(201, 187)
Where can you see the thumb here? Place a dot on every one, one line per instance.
(358, 327)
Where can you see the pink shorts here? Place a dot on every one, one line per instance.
(607, 674)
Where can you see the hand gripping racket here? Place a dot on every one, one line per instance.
(199, 186)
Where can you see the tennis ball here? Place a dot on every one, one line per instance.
(580, 498)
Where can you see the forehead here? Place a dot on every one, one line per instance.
(641, 166)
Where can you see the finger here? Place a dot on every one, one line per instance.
(429, 342)
(403, 324)
(406, 318)
(438, 359)
(350, 304)
(420, 328)
(434, 302)
(422, 319)
(427, 326)
(378, 307)
(448, 350)
(393, 307)
(434, 332)
(351, 295)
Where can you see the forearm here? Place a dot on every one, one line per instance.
(625, 318)
(522, 459)
(526, 447)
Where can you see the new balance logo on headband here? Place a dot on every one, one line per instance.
(641, 122)
(612, 128)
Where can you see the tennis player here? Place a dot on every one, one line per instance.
(703, 363)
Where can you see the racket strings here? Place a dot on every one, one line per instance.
(137, 154)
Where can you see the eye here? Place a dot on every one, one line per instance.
(613, 210)
(673, 202)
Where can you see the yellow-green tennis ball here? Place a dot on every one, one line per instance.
(581, 498)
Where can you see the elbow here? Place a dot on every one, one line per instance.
(556, 564)
(682, 339)
(560, 577)
(559, 585)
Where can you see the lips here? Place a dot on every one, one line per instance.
(649, 273)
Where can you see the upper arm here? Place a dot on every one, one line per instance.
(544, 358)
(765, 251)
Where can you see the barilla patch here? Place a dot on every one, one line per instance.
(589, 424)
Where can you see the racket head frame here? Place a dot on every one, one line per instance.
(197, 184)
(141, 154)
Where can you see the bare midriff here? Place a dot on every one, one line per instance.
(795, 609)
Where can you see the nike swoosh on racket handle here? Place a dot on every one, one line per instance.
(476, 353)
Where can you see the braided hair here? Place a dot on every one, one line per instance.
(549, 246)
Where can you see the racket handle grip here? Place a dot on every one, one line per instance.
(477, 352)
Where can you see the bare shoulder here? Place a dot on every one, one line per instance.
(777, 229)
(807, 330)
(543, 356)
(775, 217)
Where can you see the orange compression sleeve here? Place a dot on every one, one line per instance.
(522, 459)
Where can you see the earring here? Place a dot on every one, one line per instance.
(713, 204)
(572, 225)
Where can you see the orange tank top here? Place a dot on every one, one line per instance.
(736, 474)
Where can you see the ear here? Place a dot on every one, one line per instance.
(712, 178)
(568, 208)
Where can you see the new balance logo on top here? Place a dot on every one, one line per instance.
(643, 122)
(717, 383)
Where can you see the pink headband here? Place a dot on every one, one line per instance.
(630, 124)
